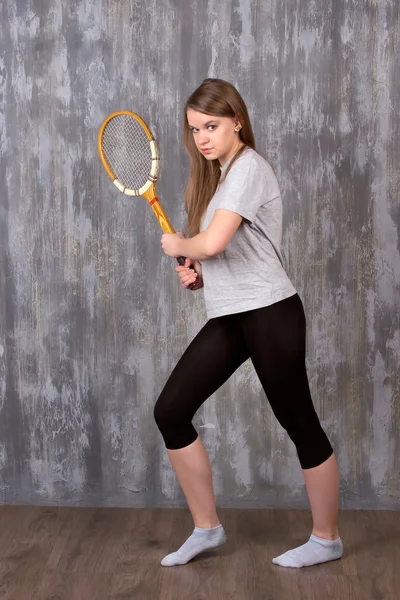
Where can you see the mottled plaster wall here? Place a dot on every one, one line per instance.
(92, 318)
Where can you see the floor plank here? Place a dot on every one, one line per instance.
(60, 553)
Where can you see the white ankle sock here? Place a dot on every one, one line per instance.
(316, 550)
(200, 540)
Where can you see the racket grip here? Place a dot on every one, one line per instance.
(196, 284)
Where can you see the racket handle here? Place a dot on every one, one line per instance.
(196, 285)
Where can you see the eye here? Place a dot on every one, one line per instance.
(194, 130)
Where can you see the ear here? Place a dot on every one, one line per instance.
(238, 124)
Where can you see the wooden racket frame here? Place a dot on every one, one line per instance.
(148, 190)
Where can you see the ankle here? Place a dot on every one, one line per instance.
(327, 535)
(207, 524)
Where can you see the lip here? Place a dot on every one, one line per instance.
(205, 150)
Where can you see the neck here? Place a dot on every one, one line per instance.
(237, 147)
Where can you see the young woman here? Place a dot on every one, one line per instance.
(235, 218)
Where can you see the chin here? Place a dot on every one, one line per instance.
(212, 156)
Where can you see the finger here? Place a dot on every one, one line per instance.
(188, 262)
(188, 281)
(181, 269)
(188, 271)
(187, 276)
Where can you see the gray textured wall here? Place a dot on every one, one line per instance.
(92, 318)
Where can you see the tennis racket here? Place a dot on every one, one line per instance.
(130, 156)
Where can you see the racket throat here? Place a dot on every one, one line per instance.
(161, 216)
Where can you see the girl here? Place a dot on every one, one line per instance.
(235, 218)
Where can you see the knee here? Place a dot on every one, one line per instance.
(166, 414)
(174, 424)
(311, 442)
(159, 413)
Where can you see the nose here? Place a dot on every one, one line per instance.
(203, 138)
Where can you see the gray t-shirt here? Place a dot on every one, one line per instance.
(249, 273)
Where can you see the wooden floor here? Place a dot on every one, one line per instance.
(115, 553)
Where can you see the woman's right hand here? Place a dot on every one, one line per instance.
(190, 273)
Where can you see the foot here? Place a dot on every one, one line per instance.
(317, 550)
(200, 540)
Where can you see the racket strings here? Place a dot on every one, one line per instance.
(127, 150)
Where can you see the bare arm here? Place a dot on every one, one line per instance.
(214, 239)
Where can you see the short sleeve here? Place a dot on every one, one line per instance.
(244, 190)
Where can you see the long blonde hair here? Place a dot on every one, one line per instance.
(218, 98)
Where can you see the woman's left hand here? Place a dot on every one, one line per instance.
(170, 244)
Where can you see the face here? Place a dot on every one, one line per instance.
(215, 137)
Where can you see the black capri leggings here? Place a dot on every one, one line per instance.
(274, 337)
